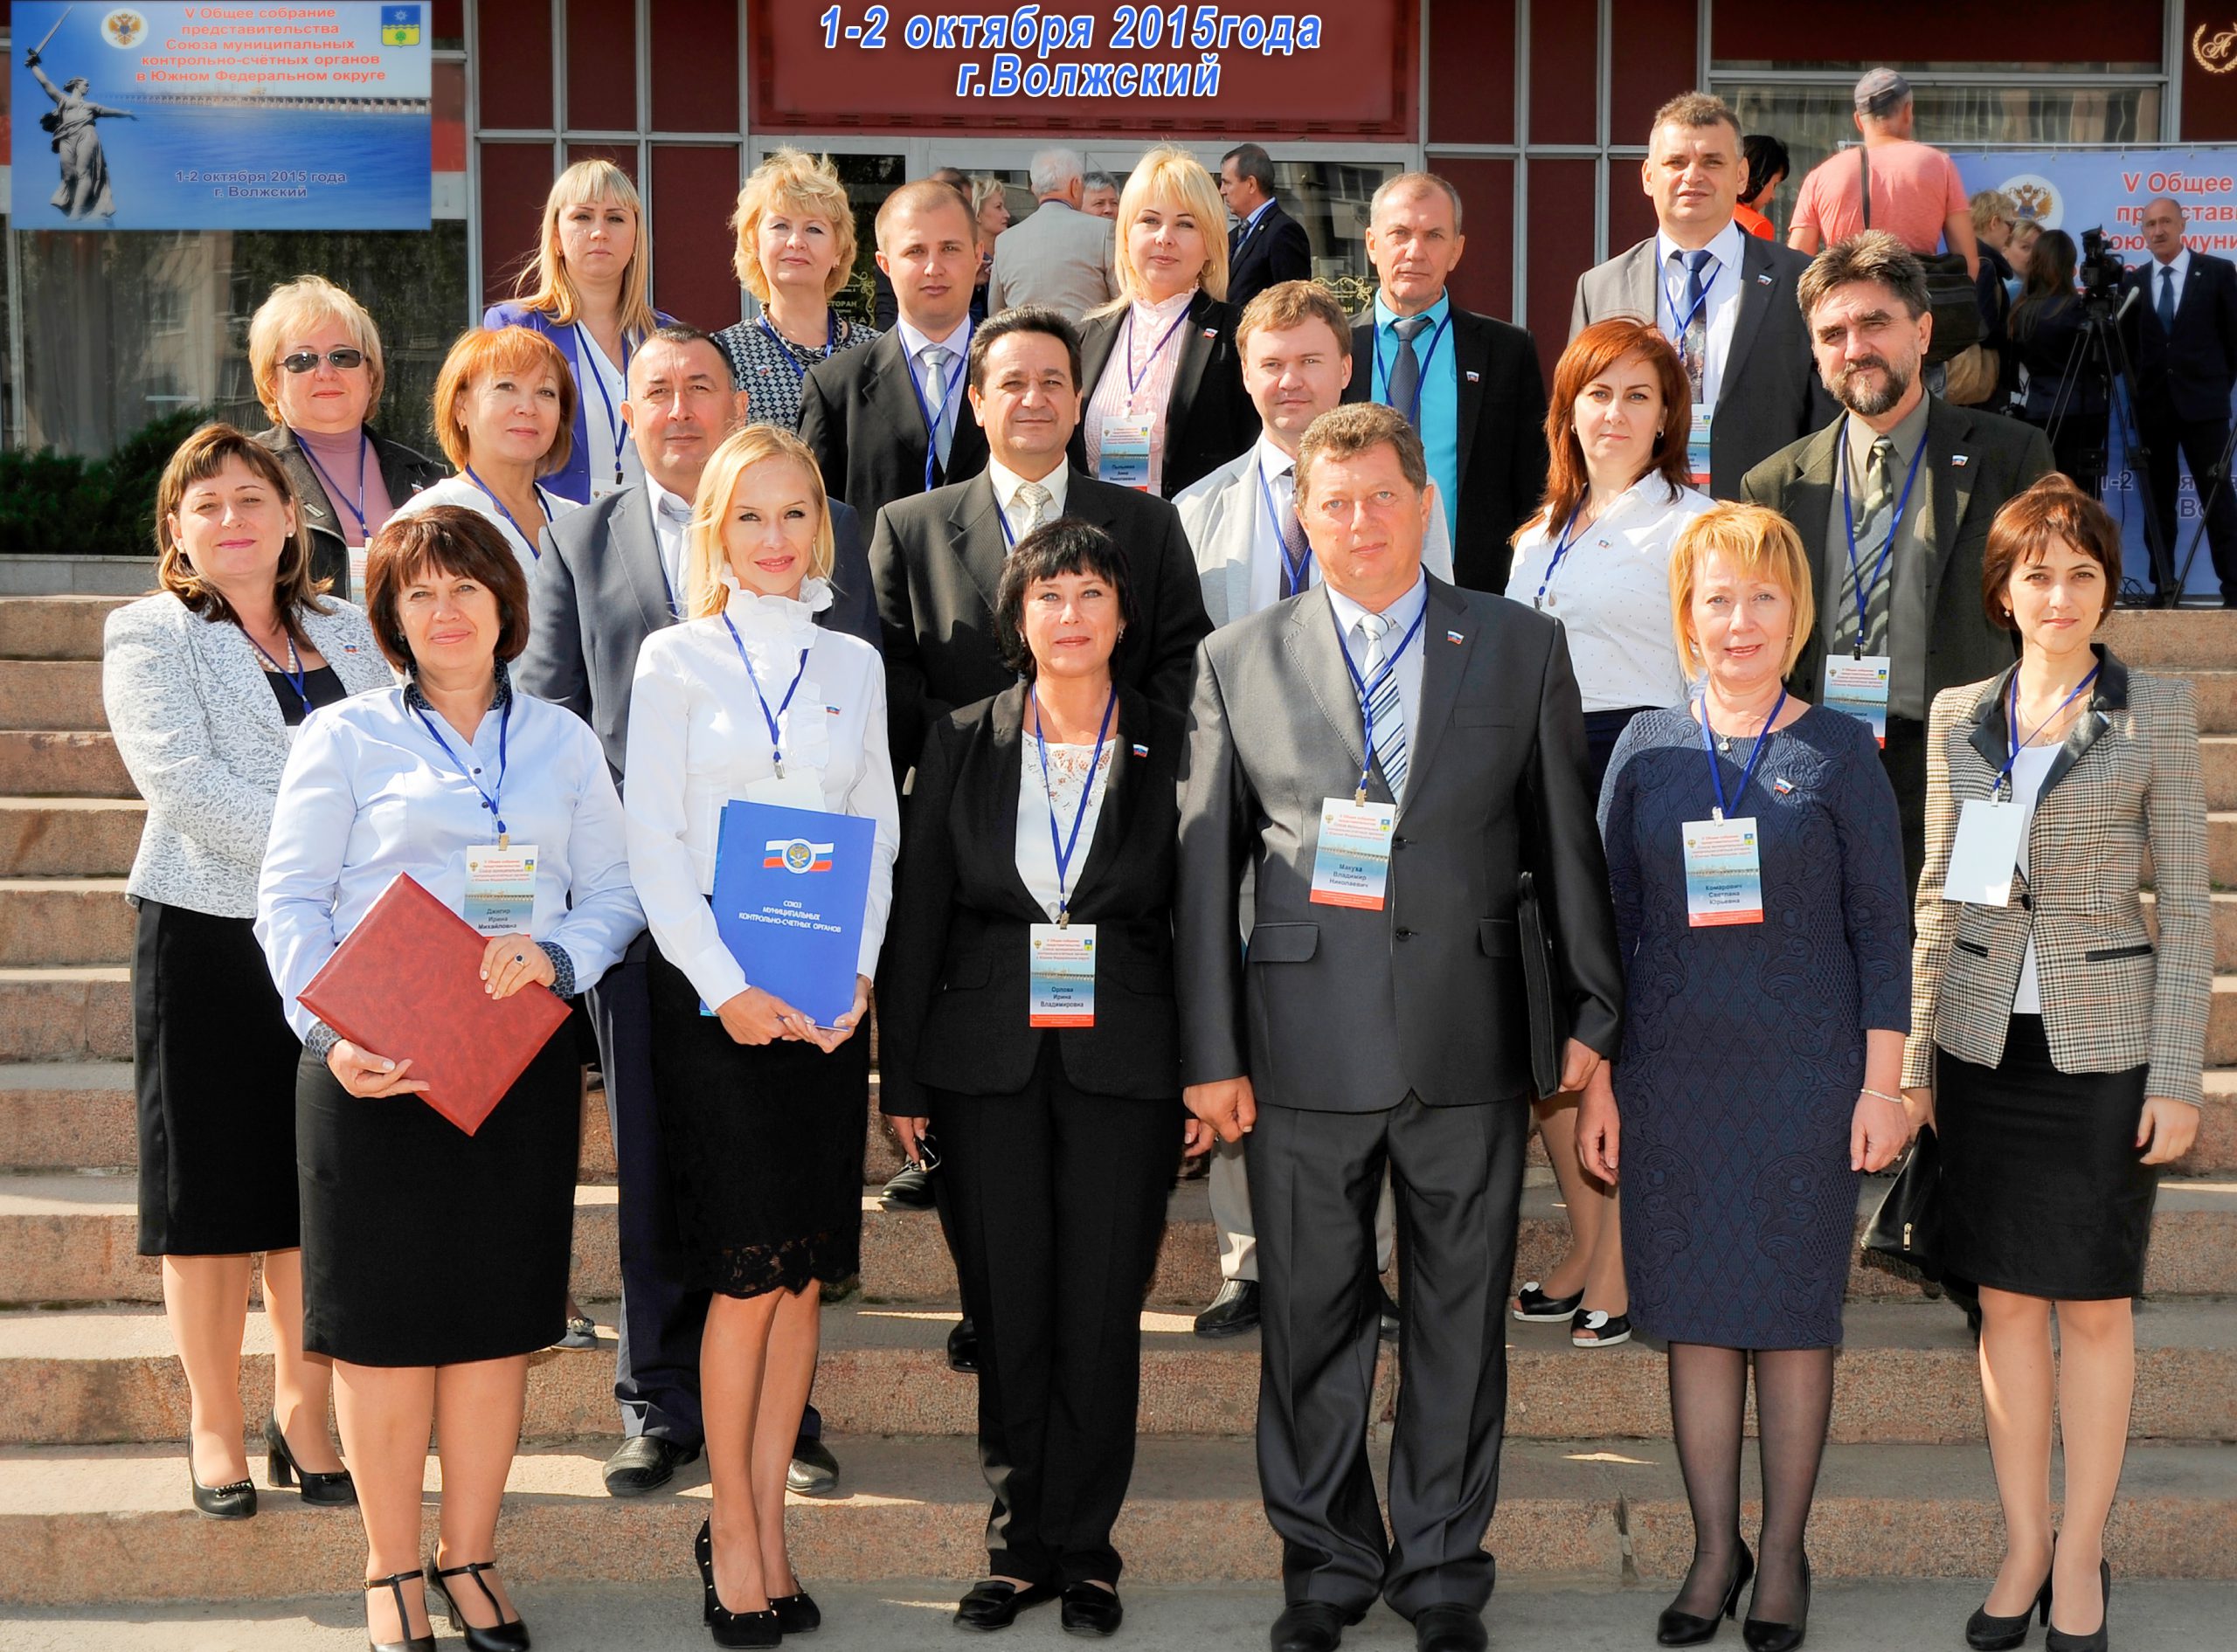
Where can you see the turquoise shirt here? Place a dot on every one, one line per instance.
(1440, 415)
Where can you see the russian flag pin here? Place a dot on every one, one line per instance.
(1141, 751)
(1781, 786)
(1454, 636)
(1957, 461)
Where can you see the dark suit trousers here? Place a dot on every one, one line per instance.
(2199, 441)
(1314, 1180)
(1904, 759)
(1059, 1202)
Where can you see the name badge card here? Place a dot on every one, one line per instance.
(1123, 458)
(1724, 872)
(1859, 687)
(1060, 979)
(792, 789)
(357, 562)
(500, 888)
(1351, 866)
(1697, 445)
(1986, 852)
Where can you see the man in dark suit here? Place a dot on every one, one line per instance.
(1477, 398)
(1894, 503)
(612, 574)
(887, 420)
(1379, 1017)
(2186, 333)
(1266, 245)
(1724, 298)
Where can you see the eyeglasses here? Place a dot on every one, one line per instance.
(307, 361)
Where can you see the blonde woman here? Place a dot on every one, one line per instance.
(762, 1113)
(795, 232)
(1768, 996)
(990, 216)
(1165, 403)
(587, 293)
(314, 357)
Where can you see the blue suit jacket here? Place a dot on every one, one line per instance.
(573, 480)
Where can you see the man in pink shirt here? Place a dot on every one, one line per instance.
(1917, 193)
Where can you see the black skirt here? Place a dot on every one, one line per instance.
(213, 1061)
(424, 1246)
(764, 1147)
(2044, 1189)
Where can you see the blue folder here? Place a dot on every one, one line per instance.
(790, 889)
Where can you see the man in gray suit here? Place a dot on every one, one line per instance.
(1388, 755)
(1723, 297)
(1059, 256)
(610, 577)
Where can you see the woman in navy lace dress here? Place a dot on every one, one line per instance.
(1768, 996)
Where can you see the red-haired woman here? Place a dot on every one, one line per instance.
(1596, 556)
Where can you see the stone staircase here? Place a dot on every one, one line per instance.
(93, 1406)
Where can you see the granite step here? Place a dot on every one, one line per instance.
(47, 764)
(66, 1012)
(2172, 639)
(2221, 848)
(2217, 752)
(52, 693)
(109, 1524)
(69, 837)
(2217, 693)
(45, 921)
(54, 627)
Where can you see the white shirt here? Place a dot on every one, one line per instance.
(368, 793)
(1612, 594)
(698, 739)
(1402, 615)
(2031, 768)
(605, 432)
(1068, 767)
(1016, 511)
(461, 491)
(1721, 307)
(956, 343)
(2180, 264)
(668, 534)
(1276, 474)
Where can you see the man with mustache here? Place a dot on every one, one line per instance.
(1894, 501)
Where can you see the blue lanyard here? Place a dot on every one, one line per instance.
(1895, 525)
(931, 425)
(1063, 849)
(1560, 549)
(1368, 690)
(1134, 379)
(2011, 725)
(613, 419)
(776, 740)
(296, 676)
(509, 516)
(488, 798)
(1249, 228)
(1421, 383)
(334, 489)
(1296, 574)
(1707, 287)
(783, 346)
(1754, 754)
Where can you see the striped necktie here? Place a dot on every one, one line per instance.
(935, 358)
(1297, 550)
(1871, 538)
(1389, 710)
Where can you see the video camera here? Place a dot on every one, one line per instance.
(2101, 270)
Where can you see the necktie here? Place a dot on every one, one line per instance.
(1870, 539)
(1035, 499)
(1389, 710)
(1694, 346)
(673, 515)
(935, 359)
(2167, 298)
(1405, 390)
(1297, 553)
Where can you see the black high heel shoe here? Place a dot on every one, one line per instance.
(736, 1628)
(1674, 1627)
(501, 1636)
(797, 1613)
(411, 1642)
(1985, 1632)
(2060, 1641)
(236, 1500)
(334, 1491)
(1761, 1636)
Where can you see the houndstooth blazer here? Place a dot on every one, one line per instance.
(2126, 780)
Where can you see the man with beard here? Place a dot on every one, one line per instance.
(1894, 502)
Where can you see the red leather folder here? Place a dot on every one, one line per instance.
(407, 984)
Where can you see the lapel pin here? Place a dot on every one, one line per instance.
(834, 711)
(1474, 378)
(1781, 786)
(1454, 636)
(1211, 332)
(1957, 461)
(1141, 751)
(349, 647)
(1763, 278)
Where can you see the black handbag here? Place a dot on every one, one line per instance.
(1907, 1226)
(1952, 298)
(1545, 1029)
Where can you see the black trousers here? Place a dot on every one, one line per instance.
(1314, 1180)
(2199, 442)
(1058, 1200)
(1904, 759)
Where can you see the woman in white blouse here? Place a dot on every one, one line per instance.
(505, 415)
(763, 1112)
(1596, 558)
(1165, 403)
(1027, 1016)
(435, 1262)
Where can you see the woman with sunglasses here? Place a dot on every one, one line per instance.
(315, 355)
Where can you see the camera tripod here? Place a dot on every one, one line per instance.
(2100, 355)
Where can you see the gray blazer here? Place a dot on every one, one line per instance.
(1060, 256)
(600, 590)
(200, 735)
(1343, 1010)
(1770, 393)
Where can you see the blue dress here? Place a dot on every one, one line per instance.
(1743, 1043)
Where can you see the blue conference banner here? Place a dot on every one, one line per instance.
(2079, 189)
(220, 117)
(790, 887)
